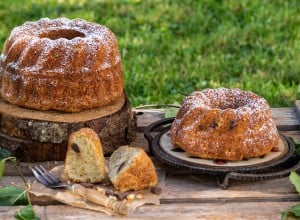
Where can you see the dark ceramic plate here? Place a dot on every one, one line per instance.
(162, 148)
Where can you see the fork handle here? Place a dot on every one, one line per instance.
(100, 199)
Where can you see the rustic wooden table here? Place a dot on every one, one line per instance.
(186, 195)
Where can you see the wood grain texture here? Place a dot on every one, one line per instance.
(34, 140)
(297, 106)
(55, 127)
(57, 116)
(206, 211)
(286, 119)
(182, 188)
(146, 117)
(184, 194)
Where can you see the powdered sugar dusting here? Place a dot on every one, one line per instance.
(93, 36)
(223, 123)
(223, 99)
(61, 64)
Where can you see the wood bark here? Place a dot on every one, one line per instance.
(42, 136)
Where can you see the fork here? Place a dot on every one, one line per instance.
(49, 180)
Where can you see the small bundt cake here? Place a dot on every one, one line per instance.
(228, 124)
(84, 160)
(61, 64)
(130, 168)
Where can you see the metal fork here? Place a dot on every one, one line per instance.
(49, 180)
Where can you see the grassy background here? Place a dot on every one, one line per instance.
(187, 45)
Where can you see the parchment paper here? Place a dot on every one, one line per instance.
(67, 197)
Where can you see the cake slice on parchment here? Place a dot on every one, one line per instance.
(130, 168)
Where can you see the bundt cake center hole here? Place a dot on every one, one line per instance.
(224, 106)
(61, 33)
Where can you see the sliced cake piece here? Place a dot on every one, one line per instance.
(85, 161)
(130, 168)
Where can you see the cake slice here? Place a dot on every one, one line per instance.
(130, 168)
(84, 160)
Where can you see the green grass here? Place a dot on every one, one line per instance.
(187, 45)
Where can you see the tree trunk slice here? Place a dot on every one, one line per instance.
(57, 116)
(48, 126)
(33, 151)
(40, 135)
(54, 126)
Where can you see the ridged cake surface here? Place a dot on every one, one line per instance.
(61, 64)
(228, 124)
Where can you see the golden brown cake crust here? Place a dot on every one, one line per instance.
(135, 172)
(61, 64)
(228, 124)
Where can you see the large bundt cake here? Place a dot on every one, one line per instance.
(227, 124)
(61, 64)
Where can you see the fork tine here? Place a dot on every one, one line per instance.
(50, 175)
(39, 177)
(44, 176)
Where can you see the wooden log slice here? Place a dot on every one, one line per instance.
(42, 135)
(33, 151)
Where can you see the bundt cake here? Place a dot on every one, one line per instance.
(228, 124)
(84, 160)
(130, 168)
(61, 64)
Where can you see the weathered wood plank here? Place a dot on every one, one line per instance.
(203, 188)
(140, 141)
(146, 117)
(209, 211)
(24, 167)
(297, 106)
(186, 195)
(286, 119)
(294, 134)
